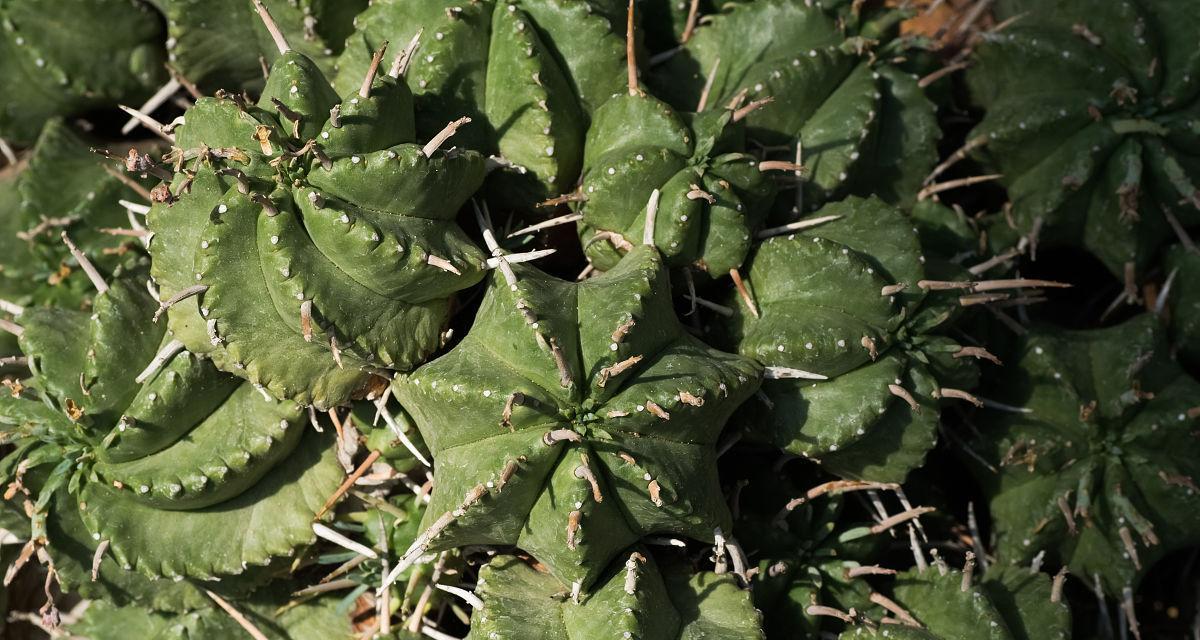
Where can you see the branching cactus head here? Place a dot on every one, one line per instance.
(64, 58)
(712, 195)
(306, 242)
(841, 309)
(636, 598)
(527, 72)
(574, 419)
(939, 603)
(1106, 155)
(221, 43)
(1095, 462)
(857, 123)
(144, 458)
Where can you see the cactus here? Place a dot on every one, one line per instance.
(575, 418)
(635, 599)
(306, 243)
(64, 58)
(713, 196)
(1095, 459)
(850, 328)
(1004, 604)
(858, 123)
(1181, 295)
(174, 471)
(1091, 121)
(527, 72)
(221, 43)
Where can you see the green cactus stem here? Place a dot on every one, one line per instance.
(856, 121)
(527, 72)
(1096, 457)
(307, 243)
(1181, 297)
(636, 598)
(574, 419)
(1092, 121)
(64, 58)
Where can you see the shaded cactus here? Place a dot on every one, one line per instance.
(1182, 299)
(173, 467)
(1094, 462)
(221, 43)
(712, 195)
(939, 603)
(1091, 120)
(849, 320)
(861, 123)
(636, 598)
(307, 242)
(64, 58)
(527, 72)
(574, 419)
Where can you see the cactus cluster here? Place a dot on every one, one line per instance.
(277, 361)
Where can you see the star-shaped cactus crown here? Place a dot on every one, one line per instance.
(148, 452)
(529, 73)
(856, 121)
(574, 419)
(713, 194)
(1095, 460)
(63, 58)
(636, 598)
(1091, 120)
(848, 322)
(307, 242)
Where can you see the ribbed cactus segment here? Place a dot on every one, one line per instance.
(574, 419)
(63, 58)
(862, 124)
(1097, 460)
(636, 598)
(527, 72)
(843, 310)
(944, 604)
(1091, 119)
(181, 466)
(712, 195)
(222, 43)
(309, 242)
(1183, 302)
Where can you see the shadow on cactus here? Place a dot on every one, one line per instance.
(306, 242)
(1096, 457)
(138, 458)
(850, 317)
(839, 105)
(527, 72)
(1092, 122)
(575, 418)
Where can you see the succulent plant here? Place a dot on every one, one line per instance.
(636, 598)
(848, 321)
(62, 186)
(221, 43)
(64, 58)
(1183, 301)
(713, 196)
(527, 72)
(171, 467)
(1004, 604)
(575, 419)
(1094, 462)
(1091, 121)
(855, 120)
(307, 242)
